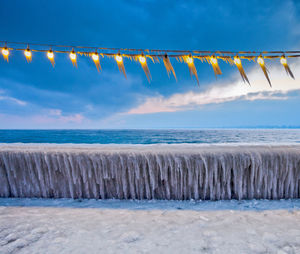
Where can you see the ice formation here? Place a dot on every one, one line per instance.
(176, 172)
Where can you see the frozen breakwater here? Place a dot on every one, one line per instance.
(177, 172)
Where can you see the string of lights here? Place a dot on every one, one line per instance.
(155, 55)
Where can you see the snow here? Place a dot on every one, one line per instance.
(123, 226)
(159, 173)
(171, 172)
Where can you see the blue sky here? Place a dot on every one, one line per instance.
(36, 95)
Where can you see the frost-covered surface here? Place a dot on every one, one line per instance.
(175, 172)
(241, 205)
(116, 226)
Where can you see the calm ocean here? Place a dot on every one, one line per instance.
(151, 136)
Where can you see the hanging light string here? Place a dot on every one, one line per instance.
(155, 55)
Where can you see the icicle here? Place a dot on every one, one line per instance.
(150, 172)
(190, 62)
(119, 60)
(283, 61)
(95, 57)
(50, 56)
(237, 61)
(261, 62)
(214, 62)
(28, 55)
(143, 62)
(169, 66)
(73, 58)
(5, 53)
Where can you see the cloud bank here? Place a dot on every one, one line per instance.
(226, 92)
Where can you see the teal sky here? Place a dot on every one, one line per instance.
(37, 96)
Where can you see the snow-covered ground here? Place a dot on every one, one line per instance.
(113, 226)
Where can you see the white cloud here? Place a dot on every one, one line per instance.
(226, 92)
(41, 121)
(75, 118)
(55, 112)
(17, 101)
(57, 115)
(4, 97)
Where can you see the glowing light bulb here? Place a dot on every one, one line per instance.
(142, 59)
(260, 60)
(73, 56)
(5, 52)
(213, 60)
(119, 58)
(189, 60)
(283, 60)
(95, 56)
(50, 54)
(27, 53)
(237, 60)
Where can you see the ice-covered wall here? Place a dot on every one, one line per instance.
(150, 171)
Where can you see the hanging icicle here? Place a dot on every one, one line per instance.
(169, 66)
(192, 68)
(28, 55)
(5, 53)
(237, 61)
(95, 57)
(261, 62)
(186, 56)
(283, 61)
(214, 62)
(143, 62)
(73, 58)
(50, 56)
(119, 60)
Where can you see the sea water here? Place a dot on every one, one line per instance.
(209, 136)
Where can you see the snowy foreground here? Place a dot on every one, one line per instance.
(172, 172)
(176, 172)
(114, 226)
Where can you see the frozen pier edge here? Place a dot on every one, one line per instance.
(176, 172)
